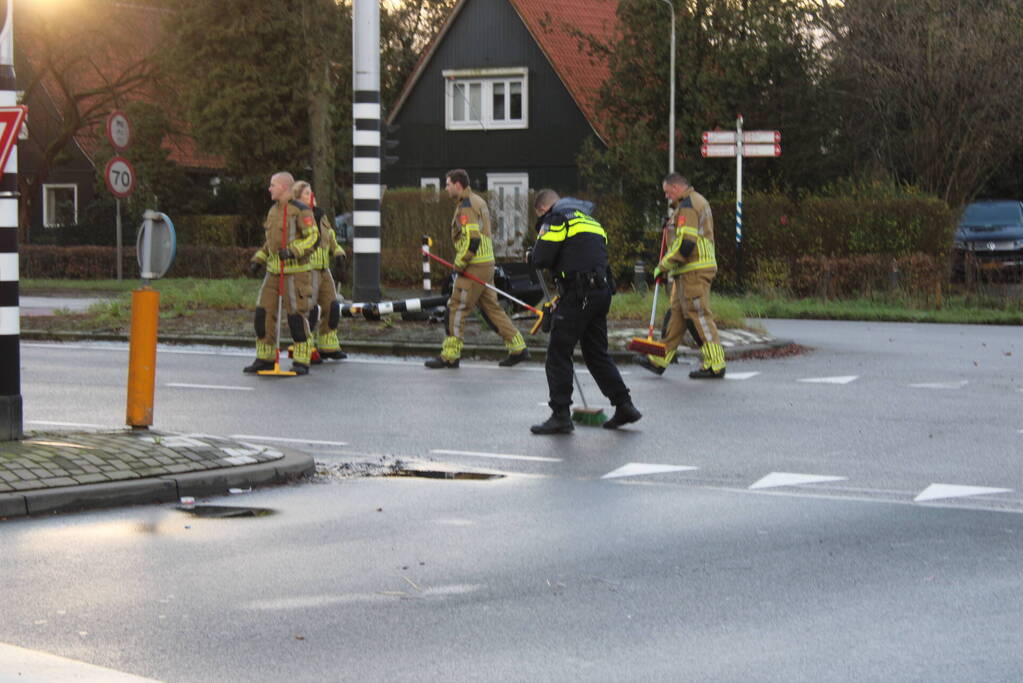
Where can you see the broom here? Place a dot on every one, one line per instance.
(591, 417)
(277, 372)
(648, 345)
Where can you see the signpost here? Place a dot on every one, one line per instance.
(750, 143)
(119, 174)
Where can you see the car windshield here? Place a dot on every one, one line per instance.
(992, 213)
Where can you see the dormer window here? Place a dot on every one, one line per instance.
(486, 99)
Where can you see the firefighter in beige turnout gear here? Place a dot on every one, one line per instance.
(474, 253)
(290, 237)
(325, 312)
(691, 265)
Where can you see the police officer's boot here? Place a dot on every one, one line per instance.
(625, 413)
(560, 422)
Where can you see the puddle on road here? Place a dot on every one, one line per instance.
(225, 511)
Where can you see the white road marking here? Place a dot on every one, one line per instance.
(254, 437)
(31, 666)
(941, 385)
(842, 379)
(740, 375)
(791, 479)
(500, 456)
(182, 385)
(88, 425)
(939, 491)
(633, 469)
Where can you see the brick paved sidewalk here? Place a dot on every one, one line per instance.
(49, 472)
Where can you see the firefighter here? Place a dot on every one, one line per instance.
(325, 312)
(574, 247)
(690, 264)
(291, 234)
(474, 253)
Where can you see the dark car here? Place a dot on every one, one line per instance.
(990, 236)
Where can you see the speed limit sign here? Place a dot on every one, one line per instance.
(120, 177)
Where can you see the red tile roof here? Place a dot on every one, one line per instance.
(138, 34)
(551, 23)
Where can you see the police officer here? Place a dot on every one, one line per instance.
(291, 234)
(574, 247)
(691, 265)
(325, 313)
(474, 253)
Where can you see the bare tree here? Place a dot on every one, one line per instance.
(929, 87)
(85, 60)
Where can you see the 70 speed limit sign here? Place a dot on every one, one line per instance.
(120, 177)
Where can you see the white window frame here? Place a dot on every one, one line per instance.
(430, 188)
(486, 78)
(47, 220)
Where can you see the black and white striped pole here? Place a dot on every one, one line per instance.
(366, 190)
(10, 330)
(427, 243)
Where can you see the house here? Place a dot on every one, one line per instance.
(73, 70)
(506, 92)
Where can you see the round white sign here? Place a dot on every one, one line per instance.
(118, 129)
(120, 177)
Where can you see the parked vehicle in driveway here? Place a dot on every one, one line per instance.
(990, 236)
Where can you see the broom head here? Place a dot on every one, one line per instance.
(647, 346)
(276, 372)
(590, 417)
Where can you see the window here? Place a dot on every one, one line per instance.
(486, 99)
(430, 188)
(60, 205)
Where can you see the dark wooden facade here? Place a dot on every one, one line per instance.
(489, 34)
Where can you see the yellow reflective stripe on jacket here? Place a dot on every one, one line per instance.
(578, 224)
(701, 257)
(485, 251)
(273, 265)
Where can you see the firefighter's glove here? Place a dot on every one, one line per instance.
(285, 254)
(658, 272)
(254, 268)
(459, 265)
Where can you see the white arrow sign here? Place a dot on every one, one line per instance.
(757, 150)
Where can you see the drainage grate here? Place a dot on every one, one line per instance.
(439, 474)
(222, 511)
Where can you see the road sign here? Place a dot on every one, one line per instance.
(118, 129)
(728, 137)
(11, 119)
(755, 150)
(120, 177)
(156, 245)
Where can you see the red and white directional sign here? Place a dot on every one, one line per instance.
(120, 177)
(753, 150)
(11, 119)
(749, 137)
(118, 129)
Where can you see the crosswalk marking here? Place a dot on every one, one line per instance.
(31, 666)
(633, 469)
(791, 479)
(941, 491)
(841, 379)
(182, 385)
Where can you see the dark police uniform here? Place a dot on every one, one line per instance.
(574, 247)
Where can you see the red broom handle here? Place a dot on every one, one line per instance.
(482, 282)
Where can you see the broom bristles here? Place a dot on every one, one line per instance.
(648, 346)
(593, 417)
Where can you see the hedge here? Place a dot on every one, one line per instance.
(100, 263)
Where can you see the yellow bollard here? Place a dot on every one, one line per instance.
(145, 319)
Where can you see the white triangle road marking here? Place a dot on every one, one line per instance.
(941, 385)
(842, 379)
(939, 491)
(740, 375)
(633, 469)
(33, 665)
(791, 479)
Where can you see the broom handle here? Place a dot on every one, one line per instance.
(483, 282)
(579, 386)
(657, 282)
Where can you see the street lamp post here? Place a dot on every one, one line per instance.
(671, 102)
